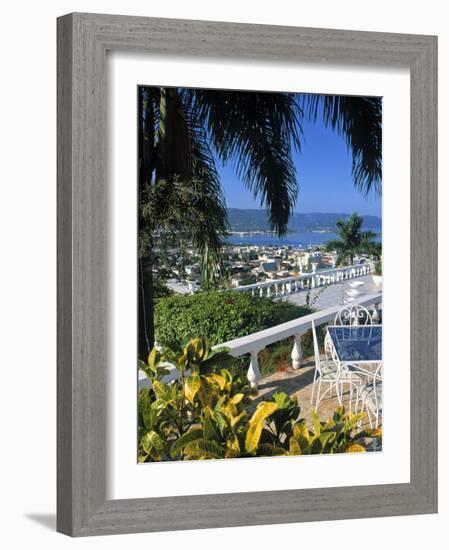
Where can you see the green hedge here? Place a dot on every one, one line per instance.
(219, 316)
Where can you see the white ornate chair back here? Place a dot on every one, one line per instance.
(353, 315)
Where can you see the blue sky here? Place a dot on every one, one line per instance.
(324, 176)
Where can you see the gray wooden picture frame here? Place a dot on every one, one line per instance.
(83, 40)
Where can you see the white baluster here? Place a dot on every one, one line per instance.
(261, 291)
(297, 352)
(253, 370)
(252, 292)
(268, 291)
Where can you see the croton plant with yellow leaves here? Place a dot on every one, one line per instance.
(209, 412)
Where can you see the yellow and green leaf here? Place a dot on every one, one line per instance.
(237, 398)
(203, 448)
(153, 444)
(191, 386)
(263, 411)
(218, 379)
(188, 437)
(355, 448)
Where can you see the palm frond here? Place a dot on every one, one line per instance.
(256, 132)
(359, 121)
(210, 222)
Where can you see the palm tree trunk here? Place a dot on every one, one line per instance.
(146, 307)
(173, 158)
(145, 263)
(174, 147)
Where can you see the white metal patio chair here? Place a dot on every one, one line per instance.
(353, 315)
(328, 347)
(370, 396)
(350, 315)
(332, 373)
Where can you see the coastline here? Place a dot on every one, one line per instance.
(300, 239)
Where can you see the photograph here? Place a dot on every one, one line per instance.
(259, 274)
(227, 208)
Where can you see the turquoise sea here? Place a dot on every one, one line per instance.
(300, 239)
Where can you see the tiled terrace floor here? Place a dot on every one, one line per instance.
(299, 383)
(333, 294)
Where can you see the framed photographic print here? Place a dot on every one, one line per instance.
(247, 281)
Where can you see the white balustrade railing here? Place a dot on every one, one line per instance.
(282, 287)
(254, 343)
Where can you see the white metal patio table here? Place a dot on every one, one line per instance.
(358, 349)
(356, 344)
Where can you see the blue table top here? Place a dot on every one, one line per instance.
(357, 344)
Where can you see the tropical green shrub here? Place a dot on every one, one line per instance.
(207, 390)
(339, 434)
(219, 316)
(208, 413)
(378, 268)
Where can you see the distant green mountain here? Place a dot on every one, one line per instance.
(256, 220)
